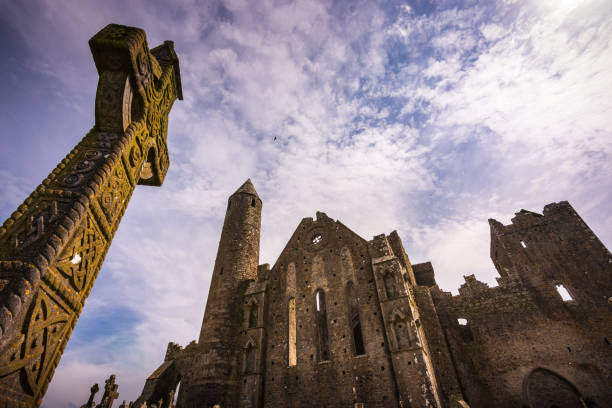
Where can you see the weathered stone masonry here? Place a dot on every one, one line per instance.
(522, 344)
(339, 321)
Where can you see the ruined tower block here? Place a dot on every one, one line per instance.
(564, 251)
(541, 338)
(214, 378)
(52, 247)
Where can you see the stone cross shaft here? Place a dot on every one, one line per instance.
(90, 402)
(110, 393)
(52, 247)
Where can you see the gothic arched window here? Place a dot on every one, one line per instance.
(253, 314)
(250, 358)
(402, 333)
(357, 343)
(390, 285)
(292, 333)
(321, 326)
(290, 277)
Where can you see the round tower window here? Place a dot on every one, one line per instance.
(316, 239)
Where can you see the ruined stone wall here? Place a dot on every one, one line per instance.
(515, 345)
(521, 344)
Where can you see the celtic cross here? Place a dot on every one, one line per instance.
(110, 393)
(90, 402)
(52, 247)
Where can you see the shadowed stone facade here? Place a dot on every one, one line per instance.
(340, 321)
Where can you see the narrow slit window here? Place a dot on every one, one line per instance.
(175, 393)
(292, 334)
(402, 334)
(564, 293)
(321, 326)
(358, 340)
(253, 202)
(390, 285)
(250, 358)
(253, 315)
(358, 345)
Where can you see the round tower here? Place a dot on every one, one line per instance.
(215, 373)
(237, 260)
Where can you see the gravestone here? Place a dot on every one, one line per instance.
(90, 402)
(110, 393)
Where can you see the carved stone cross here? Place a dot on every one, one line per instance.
(52, 247)
(110, 393)
(90, 402)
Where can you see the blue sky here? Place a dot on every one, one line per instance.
(428, 117)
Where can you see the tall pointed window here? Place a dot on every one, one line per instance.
(402, 333)
(250, 358)
(321, 326)
(292, 334)
(290, 289)
(357, 343)
(253, 315)
(390, 285)
(174, 393)
(348, 270)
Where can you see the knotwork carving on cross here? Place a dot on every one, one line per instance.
(135, 89)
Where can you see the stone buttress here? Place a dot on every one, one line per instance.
(411, 362)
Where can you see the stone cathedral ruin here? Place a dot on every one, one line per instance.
(340, 321)
(337, 321)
